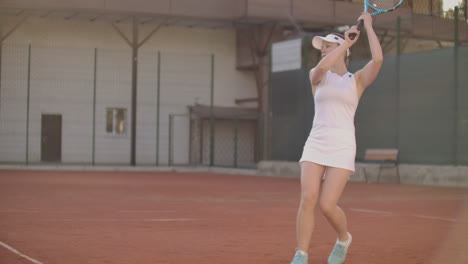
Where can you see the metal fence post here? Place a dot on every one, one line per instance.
(94, 106)
(212, 121)
(397, 85)
(455, 79)
(455, 26)
(170, 140)
(236, 121)
(158, 106)
(268, 119)
(28, 103)
(261, 140)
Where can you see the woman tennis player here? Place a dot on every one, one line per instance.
(329, 152)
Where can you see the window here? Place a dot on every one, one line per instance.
(116, 121)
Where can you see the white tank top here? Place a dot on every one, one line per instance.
(336, 100)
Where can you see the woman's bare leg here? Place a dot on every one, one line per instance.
(333, 186)
(311, 175)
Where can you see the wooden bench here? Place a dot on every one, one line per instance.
(388, 159)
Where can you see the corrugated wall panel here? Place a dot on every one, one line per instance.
(147, 109)
(185, 80)
(13, 95)
(62, 83)
(113, 91)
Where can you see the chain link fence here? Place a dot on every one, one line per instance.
(417, 104)
(73, 106)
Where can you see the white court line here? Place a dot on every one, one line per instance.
(436, 218)
(168, 220)
(414, 215)
(19, 253)
(370, 211)
(19, 211)
(121, 220)
(146, 211)
(75, 211)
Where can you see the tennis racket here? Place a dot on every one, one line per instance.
(379, 7)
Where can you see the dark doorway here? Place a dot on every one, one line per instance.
(51, 138)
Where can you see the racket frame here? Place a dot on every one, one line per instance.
(377, 12)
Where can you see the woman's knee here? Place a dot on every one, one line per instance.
(327, 206)
(309, 199)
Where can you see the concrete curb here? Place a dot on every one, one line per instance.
(432, 175)
(59, 167)
(453, 176)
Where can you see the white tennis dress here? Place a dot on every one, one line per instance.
(332, 140)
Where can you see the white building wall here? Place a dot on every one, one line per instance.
(112, 91)
(185, 80)
(147, 110)
(13, 107)
(62, 82)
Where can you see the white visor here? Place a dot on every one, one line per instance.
(317, 41)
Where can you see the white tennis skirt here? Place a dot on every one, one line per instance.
(332, 147)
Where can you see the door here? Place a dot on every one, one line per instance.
(51, 138)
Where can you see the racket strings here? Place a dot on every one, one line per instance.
(384, 4)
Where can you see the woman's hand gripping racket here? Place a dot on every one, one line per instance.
(380, 7)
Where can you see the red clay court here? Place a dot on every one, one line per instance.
(58, 217)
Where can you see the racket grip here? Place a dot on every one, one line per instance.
(358, 26)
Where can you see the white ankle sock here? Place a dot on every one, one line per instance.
(345, 243)
(300, 252)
